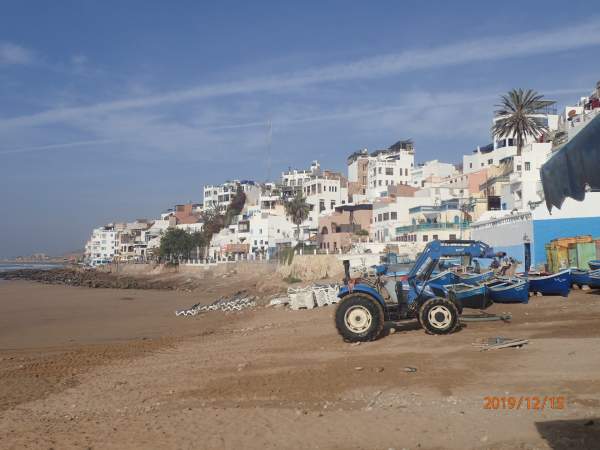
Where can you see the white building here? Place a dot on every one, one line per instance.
(389, 213)
(389, 168)
(220, 195)
(323, 193)
(102, 245)
(295, 177)
(431, 170)
(257, 234)
(503, 148)
(525, 181)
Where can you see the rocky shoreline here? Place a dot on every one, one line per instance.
(90, 278)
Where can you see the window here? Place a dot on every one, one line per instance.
(527, 165)
(425, 238)
(394, 215)
(386, 216)
(435, 237)
(380, 170)
(379, 217)
(389, 171)
(379, 182)
(452, 237)
(406, 172)
(490, 162)
(518, 167)
(470, 165)
(321, 205)
(332, 204)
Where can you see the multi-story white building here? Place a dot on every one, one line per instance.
(220, 195)
(296, 178)
(323, 193)
(525, 180)
(103, 245)
(388, 168)
(259, 233)
(431, 170)
(503, 148)
(389, 213)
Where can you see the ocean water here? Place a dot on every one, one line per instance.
(7, 267)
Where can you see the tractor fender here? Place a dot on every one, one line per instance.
(365, 289)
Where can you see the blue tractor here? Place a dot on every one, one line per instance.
(366, 305)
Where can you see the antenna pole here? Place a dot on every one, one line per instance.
(269, 140)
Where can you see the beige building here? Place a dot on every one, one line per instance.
(347, 224)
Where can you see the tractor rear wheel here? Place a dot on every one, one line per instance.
(359, 318)
(439, 316)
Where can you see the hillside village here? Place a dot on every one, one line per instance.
(385, 198)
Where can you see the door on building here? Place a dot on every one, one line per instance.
(527, 251)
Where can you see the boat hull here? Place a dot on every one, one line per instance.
(438, 282)
(590, 278)
(555, 284)
(509, 291)
(475, 278)
(594, 264)
(474, 297)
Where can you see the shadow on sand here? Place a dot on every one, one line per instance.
(577, 434)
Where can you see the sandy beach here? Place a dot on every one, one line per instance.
(108, 368)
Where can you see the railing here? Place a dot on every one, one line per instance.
(440, 208)
(432, 226)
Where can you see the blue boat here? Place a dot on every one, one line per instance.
(439, 281)
(475, 278)
(469, 296)
(594, 264)
(555, 284)
(508, 290)
(590, 278)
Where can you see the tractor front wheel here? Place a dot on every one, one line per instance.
(439, 316)
(359, 318)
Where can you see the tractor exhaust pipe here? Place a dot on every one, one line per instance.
(346, 263)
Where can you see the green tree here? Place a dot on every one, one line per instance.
(235, 207)
(198, 242)
(297, 210)
(176, 243)
(518, 114)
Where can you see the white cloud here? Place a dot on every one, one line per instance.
(485, 49)
(13, 54)
(240, 129)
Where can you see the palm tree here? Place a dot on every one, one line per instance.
(518, 116)
(297, 210)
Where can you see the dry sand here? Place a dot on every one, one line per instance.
(103, 368)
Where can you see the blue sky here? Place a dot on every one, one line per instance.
(114, 111)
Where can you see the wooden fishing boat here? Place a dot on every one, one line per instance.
(469, 296)
(508, 290)
(475, 278)
(581, 278)
(554, 284)
(594, 264)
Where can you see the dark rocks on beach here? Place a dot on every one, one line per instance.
(86, 278)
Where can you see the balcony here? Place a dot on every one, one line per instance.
(445, 206)
(432, 226)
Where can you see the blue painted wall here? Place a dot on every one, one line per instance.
(545, 231)
(516, 251)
